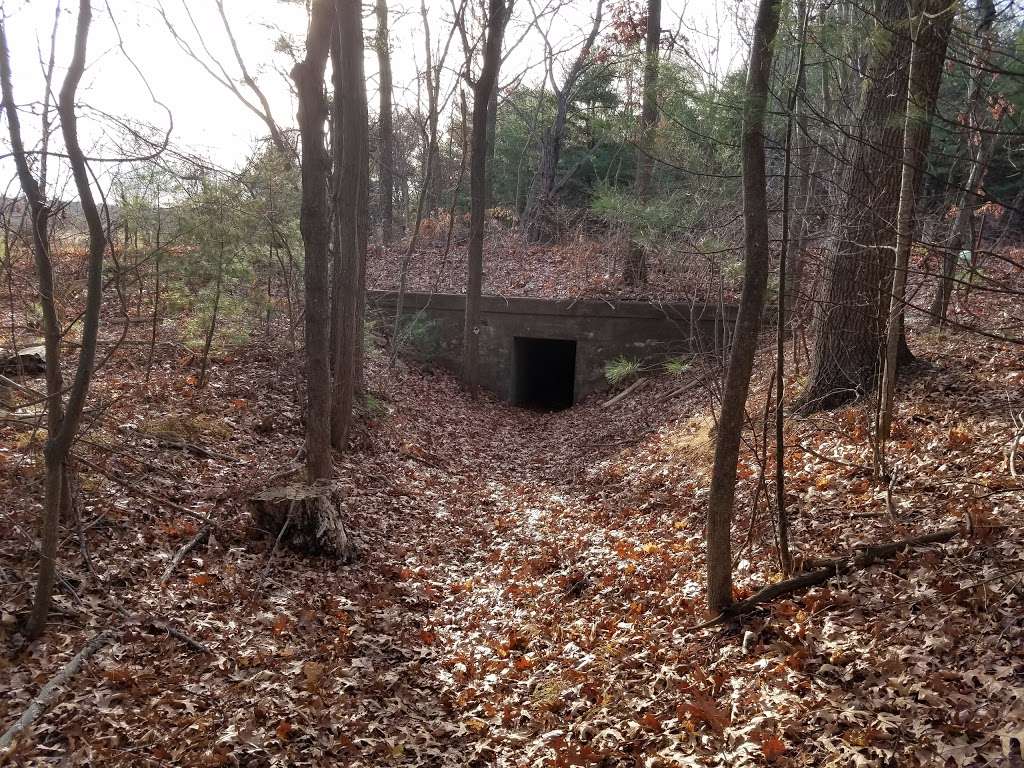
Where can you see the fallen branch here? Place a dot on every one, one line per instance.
(192, 643)
(636, 386)
(136, 488)
(195, 541)
(173, 441)
(830, 459)
(23, 388)
(52, 689)
(825, 570)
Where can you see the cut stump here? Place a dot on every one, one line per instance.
(306, 519)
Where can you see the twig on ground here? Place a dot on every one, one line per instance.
(173, 441)
(191, 642)
(83, 543)
(201, 536)
(680, 390)
(53, 688)
(1011, 459)
(636, 386)
(21, 387)
(830, 459)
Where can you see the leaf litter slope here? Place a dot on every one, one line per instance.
(525, 583)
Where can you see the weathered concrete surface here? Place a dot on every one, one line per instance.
(603, 330)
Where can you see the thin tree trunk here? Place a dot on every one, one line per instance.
(790, 292)
(482, 90)
(155, 328)
(492, 129)
(928, 50)
(62, 422)
(208, 342)
(782, 517)
(315, 226)
(432, 80)
(351, 215)
(387, 131)
(748, 320)
(961, 233)
(544, 189)
(635, 272)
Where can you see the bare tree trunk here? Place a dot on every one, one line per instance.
(315, 225)
(351, 214)
(155, 326)
(748, 320)
(387, 131)
(482, 89)
(492, 129)
(961, 236)
(928, 50)
(635, 272)
(782, 517)
(208, 342)
(545, 186)
(790, 292)
(62, 422)
(432, 80)
(850, 322)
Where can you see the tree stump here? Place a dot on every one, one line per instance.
(306, 519)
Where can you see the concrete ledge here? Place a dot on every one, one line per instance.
(602, 330)
(584, 307)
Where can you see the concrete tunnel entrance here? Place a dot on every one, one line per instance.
(544, 372)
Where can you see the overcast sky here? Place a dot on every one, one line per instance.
(207, 119)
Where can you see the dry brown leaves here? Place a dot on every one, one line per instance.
(524, 583)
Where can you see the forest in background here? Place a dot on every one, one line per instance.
(248, 523)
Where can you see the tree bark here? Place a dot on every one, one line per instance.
(306, 518)
(482, 89)
(351, 215)
(850, 322)
(635, 272)
(62, 420)
(748, 320)
(387, 130)
(928, 51)
(315, 226)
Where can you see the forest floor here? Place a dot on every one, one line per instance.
(582, 266)
(525, 581)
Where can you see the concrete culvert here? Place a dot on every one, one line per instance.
(545, 373)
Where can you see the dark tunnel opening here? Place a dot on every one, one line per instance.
(545, 373)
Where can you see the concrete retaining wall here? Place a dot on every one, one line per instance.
(603, 330)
